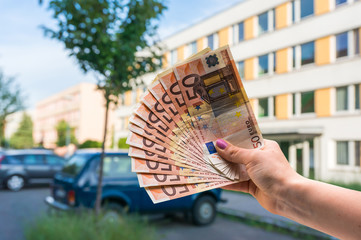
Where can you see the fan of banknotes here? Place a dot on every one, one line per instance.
(174, 128)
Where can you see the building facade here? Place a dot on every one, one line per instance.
(82, 106)
(301, 67)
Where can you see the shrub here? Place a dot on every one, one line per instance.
(87, 226)
(90, 144)
(122, 144)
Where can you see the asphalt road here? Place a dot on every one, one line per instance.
(18, 209)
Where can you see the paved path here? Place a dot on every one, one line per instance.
(246, 207)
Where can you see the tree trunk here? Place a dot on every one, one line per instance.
(100, 178)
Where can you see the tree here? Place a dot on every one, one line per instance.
(114, 39)
(23, 137)
(90, 144)
(11, 101)
(64, 131)
(122, 143)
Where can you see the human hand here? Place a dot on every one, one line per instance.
(268, 169)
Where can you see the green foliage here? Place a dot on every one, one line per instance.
(122, 143)
(90, 144)
(11, 101)
(105, 36)
(63, 129)
(23, 137)
(87, 226)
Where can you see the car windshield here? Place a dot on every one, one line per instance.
(75, 164)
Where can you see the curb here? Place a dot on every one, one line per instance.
(294, 227)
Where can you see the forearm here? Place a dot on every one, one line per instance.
(330, 209)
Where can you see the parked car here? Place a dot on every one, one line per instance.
(75, 187)
(28, 166)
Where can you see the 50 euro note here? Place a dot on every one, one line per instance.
(165, 193)
(152, 180)
(218, 106)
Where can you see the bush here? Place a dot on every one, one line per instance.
(90, 144)
(87, 226)
(122, 144)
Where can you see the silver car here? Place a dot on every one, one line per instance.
(28, 166)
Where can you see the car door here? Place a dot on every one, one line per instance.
(54, 163)
(35, 167)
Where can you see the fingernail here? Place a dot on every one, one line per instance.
(221, 144)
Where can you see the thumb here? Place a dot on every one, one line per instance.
(232, 153)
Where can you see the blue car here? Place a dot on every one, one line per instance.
(75, 186)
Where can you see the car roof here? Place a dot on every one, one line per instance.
(27, 151)
(98, 151)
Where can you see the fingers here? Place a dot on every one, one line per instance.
(240, 186)
(232, 153)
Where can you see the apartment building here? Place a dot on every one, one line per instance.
(301, 67)
(82, 106)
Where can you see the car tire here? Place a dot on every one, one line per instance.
(15, 183)
(204, 211)
(113, 212)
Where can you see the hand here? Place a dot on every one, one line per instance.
(268, 169)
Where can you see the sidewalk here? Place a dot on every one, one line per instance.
(244, 206)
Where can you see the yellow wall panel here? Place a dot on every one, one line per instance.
(323, 51)
(282, 106)
(139, 94)
(223, 37)
(249, 31)
(128, 98)
(249, 67)
(322, 6)
(323, 102)
(252, 102)
(200, 44)
(180, 53)
(282, 15)
(282, 60)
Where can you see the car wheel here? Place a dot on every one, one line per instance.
(15, 183)
(113, 212)
(204, 211)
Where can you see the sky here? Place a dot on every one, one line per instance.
(42, 67)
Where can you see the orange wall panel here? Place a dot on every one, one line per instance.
(200, 44)
(165, 62)
(323, 102)
(323, 50)
(282, 106)
(322, 6)
(282, 60)
(249, 31)
(128, 98)
(249, 69)
(282, 16)
(223, 37)
(180, 53)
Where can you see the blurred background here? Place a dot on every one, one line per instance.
(299, 61)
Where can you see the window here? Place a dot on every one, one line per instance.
(293, 11)
(306, 8)
(356, 36)
(274, 62)
(210, 41)
(342, 152)
(117, 166)
(340, 2)
(33, 159)
(75, 164)
(262, 23)
(263, 107)
(274, 19)
(357, 96)
(294, 104)
(294, 57)
(54, 160)
(341, 45)
(193, 47)
(341, 99)
(357, 153)
(308, 102)
(173, 57)
(240, 31)
(307, 53)
(240, 66)
(262, 64)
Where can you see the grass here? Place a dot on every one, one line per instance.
(85, 225)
